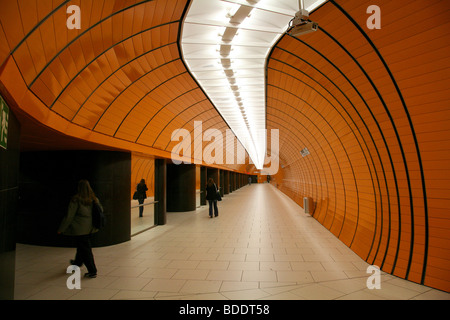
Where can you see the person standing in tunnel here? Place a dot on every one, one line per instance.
(211, 196)
(141, 190)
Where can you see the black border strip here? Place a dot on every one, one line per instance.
(394, 82)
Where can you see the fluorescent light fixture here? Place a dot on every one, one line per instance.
(225, 44)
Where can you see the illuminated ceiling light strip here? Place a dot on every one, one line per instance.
(225, 44)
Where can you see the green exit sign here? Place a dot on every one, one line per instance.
(4, 118)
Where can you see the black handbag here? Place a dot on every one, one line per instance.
(218, 196)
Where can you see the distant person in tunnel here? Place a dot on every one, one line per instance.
(78, 224)
(212, 196)
(141, 192)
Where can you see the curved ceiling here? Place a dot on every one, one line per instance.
(370, 106)
(119, 81)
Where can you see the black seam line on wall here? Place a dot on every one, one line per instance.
(82, 34)
(193, 130)
(183, 18)
(224, 127)
(365, 142)
(37, 25)
(120, 94)
(306, 159)
(345, 151)
(130, 85)
(324, 137)
(166, 105)
(397, 135)
(346, 154)
(388, 151)
(178, 115)
(270, 55)
(120, 68)
(311, 172)
(310, 167)
(288, 116)
(192, 118)
(416, 146)
(356, 126)
(144, 97)
(103, 53)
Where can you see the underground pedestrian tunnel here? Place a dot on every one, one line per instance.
(370, 107)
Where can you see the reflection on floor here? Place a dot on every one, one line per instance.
(262, 246)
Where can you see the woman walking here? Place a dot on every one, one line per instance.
(78, 224)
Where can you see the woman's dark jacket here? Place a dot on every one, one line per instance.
(211, 192)
(141, 191)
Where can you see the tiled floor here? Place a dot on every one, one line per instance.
(262, 246)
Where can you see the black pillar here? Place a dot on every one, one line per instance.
(203, 182)
(9, 194)
(181, 187)
(160, 192)
(214, 174)
(49, 179)
(227, 188)
(222, 182)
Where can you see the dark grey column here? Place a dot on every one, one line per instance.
(222, 182)
(160, 191)
(227, 188)
(213, 173)
(9, 194)
(203, 182)
(181, 187)
(49, 179)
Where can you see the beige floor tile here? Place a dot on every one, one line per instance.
(259, 257)
(158, 273)
(252, 294)
(347, 286)
(275, 265)
(196, 286)
(259, 276)
(243, 265)
(225, 275)
(394, 292)
(320, 276)
(182, 264)
(231, 257)
(191, 274)
(204, 256)
(127, 271)
(94, 294)
(133, 295)
(432, 295)
(238, 285)
(164, 285)
(53, 293)
(306, 266)
(128, 283)
(317, 292)
(295, 276)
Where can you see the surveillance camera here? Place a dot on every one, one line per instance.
(302, 29)
(301, 25)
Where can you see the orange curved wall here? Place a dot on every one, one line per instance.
(372, 107)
